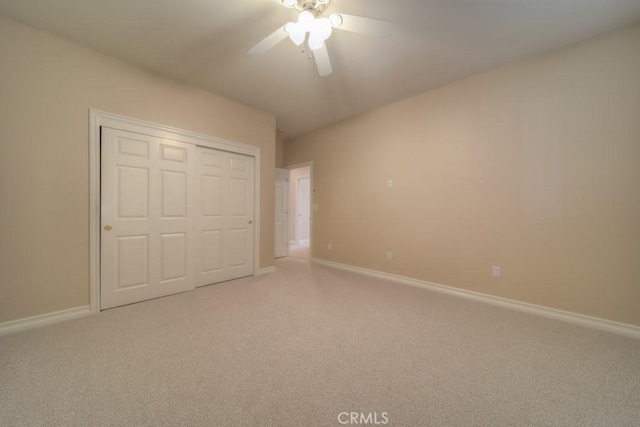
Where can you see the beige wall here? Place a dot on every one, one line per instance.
(534, 167)
(47, 86)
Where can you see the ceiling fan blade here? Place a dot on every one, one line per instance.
(321, 55)
(269, 42)
(360, 24)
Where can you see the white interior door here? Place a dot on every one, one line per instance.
(282, 213)
(147, 198)
(304, 209)
(224, 216)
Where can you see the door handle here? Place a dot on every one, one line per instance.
(250, 222)
(107, 227)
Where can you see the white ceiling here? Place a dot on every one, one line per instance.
(434, 43)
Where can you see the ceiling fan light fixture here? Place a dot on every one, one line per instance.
(297, 33)
(315, 42)
(306, 19)
(336, 20)
(311, 20)
(322, 28)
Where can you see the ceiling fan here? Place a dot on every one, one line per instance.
(315, 28)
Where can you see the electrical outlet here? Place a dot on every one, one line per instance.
(496, 271)
(390, 183)
(389, 255)
(329, 246)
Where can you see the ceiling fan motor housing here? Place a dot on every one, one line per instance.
(317, 7)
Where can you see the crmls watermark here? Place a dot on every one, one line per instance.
(363, 418)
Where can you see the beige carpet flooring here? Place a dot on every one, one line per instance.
(300, 251)
(302, 345)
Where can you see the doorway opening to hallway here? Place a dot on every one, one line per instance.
(300, 206)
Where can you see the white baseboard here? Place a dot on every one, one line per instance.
(566, 316)
(43, 319)
(266, 270)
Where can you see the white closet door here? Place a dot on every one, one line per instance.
(224, 216)
(147, 200)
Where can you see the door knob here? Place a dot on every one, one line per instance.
(107, 227)
(250, 222)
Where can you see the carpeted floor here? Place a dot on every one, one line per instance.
(300, 251)
(306, 344)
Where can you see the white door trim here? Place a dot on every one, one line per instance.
(97, 119)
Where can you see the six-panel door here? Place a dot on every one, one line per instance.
(169, 214)
(224, 216)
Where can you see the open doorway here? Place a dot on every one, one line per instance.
(300, 206)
